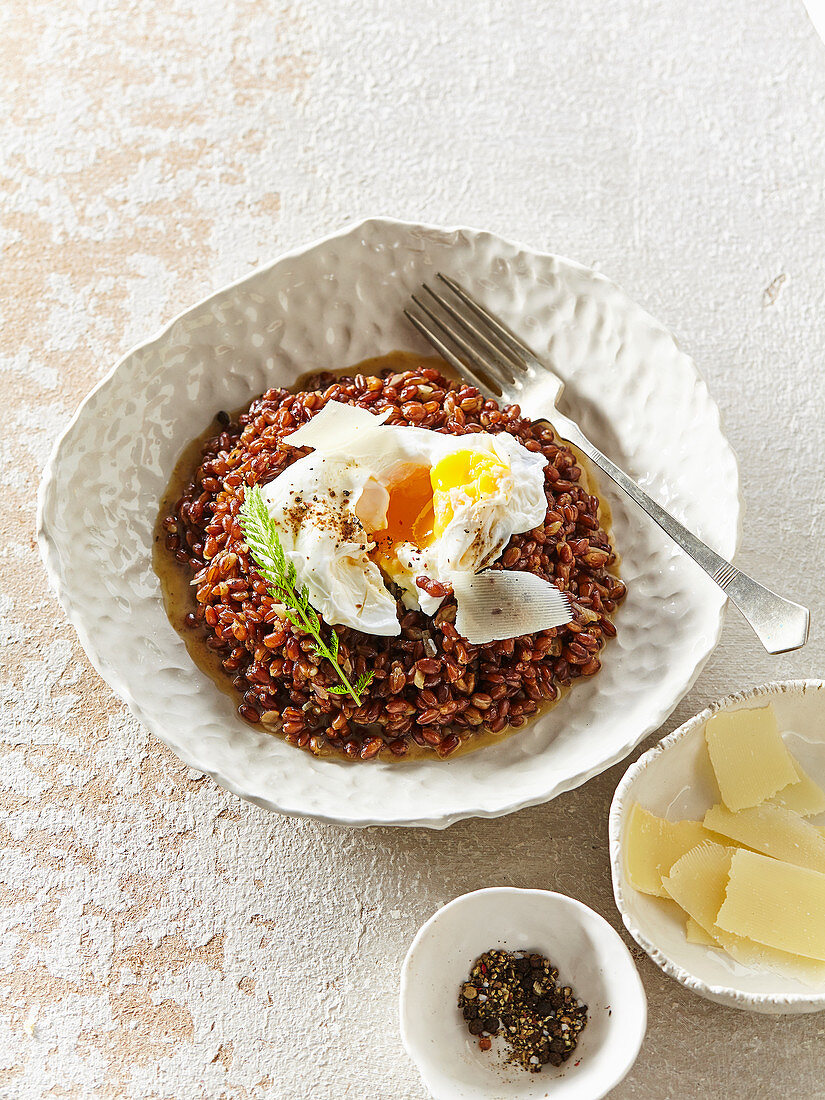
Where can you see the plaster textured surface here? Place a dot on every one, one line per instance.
(161, 939)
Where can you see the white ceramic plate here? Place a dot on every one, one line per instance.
(330, 305)
(674, 780)
(589, 956)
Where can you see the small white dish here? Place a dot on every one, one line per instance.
(328, 305)
(674, 780)
(589, 955)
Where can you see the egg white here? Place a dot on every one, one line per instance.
(313, 504)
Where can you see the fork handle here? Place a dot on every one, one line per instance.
(779, 624)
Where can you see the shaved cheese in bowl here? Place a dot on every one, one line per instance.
(697, 882)
(741, 916)
(749, 756)
(775, 903)
(695, 933)
(654, 844)
(774, 830)
(803, 797)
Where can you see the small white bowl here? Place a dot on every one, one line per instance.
(674, 780)
(590, 957)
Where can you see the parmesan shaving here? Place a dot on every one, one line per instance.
(498, 604)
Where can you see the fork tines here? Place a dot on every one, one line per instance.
(470, 338)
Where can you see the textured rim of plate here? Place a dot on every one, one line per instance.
(730, 994)
(616, 943)
(51, 558)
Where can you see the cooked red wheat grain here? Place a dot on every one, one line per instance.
(431, 687)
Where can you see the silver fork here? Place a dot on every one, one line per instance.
(485, 350)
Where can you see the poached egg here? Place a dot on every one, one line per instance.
(377, 504)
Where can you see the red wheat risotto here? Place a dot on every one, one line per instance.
(431, 689)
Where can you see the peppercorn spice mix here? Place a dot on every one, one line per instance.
(518, 997)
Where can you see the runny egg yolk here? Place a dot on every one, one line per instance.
(477, 474)
(420, 506)
(409, 512)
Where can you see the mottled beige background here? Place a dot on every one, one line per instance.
(160, 938)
